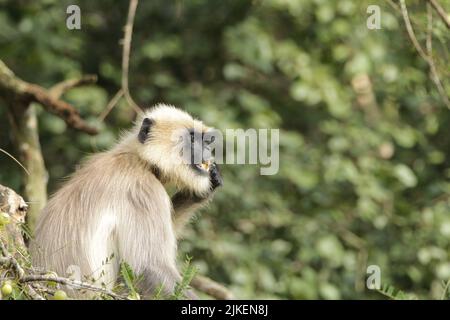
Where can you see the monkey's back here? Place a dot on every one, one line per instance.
(111, 210)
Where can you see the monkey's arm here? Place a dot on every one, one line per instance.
(184, 207)
(185, 203)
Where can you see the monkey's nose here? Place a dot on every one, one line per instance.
(206, 155)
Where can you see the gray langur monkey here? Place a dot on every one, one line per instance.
(116, 204)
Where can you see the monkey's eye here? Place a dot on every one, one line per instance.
(208, 140)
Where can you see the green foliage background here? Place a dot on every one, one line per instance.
(355, 187)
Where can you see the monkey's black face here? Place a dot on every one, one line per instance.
(200, 155)
(192, 144)
(183, 154)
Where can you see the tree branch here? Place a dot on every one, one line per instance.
(410, 31)
(212, 288)
(111, 104)
(71, 283)
(426, 56)
(60, 108)
(15, 89)
(441, 12)
(126, 55)
(60, 88)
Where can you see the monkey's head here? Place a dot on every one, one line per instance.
(178, 146)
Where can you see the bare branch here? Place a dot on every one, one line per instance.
(426, 56)
(441, 12)
(111, 104)
(60, 88)
(17, 161)
(212, 288)
(60, 108)
(397, 8)
(16, 89)
(19, 270)
(429, 41)
(433, 69)
(444, 292)
(126, 55)
(33, 294)
(71, 283)
(410, 31)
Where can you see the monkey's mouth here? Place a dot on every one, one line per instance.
(203, 167)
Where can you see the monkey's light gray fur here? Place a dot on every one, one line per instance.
(116, 204)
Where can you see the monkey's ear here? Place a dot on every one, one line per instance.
(145, 129)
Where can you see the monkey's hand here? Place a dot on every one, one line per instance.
(215, 177)
(185, 203)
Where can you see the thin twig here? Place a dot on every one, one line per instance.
(446, 287)
(429, 47)
(126, 55)
(410, 31)
(17, 161)
(33, 294)
(426, 56)
(441, 12)
(429, 40)
(397, 8)
(71, 283)
(111, 104)
(19, 270)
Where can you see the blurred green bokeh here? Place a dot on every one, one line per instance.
(359, 184)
